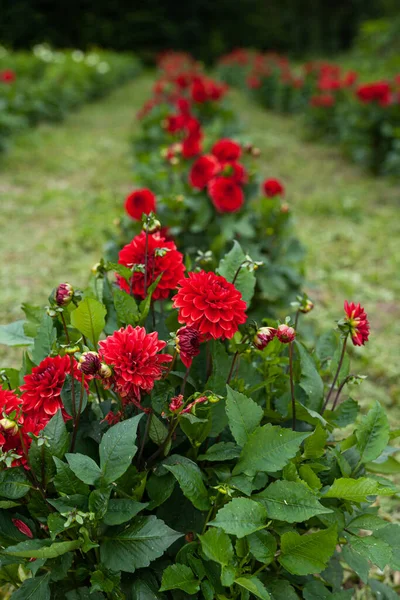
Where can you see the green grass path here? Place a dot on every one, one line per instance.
(60, 183)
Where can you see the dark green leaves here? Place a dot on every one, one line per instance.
(34, 589)
(245, 281)
(253, 585)
(310, 379)
(217, 546)
(84, 468)
(136, 546)
(309, 553)
(14, 484)
(179, 577)
(241, 517)
(117, 448)
(356, 490)
(126, 307)
(372, 433)
(73, 401)
(89, 319)
(44, 339)
(290, 501)
(121, 510)
(42, 548)
(244, 415)
(190, 480)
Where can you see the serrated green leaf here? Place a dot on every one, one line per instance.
(136, 546)
(262, 545)
(57, 443)
(14, 484)
(179, 577)
(374, 549)
(254, 586)
(117, 448)
(89, 319)
(314, 445)
(310, 379)
(366, 521)
(34, 589)
(220, 452)
(315, 590)
(66, 482)
(241, 517)
(382, 591)
(44, 339)
(309, 553)
(391, 535)
(344, 415)
(217, 546)
(126, 307)
(356, 490)
(121, 510)
(269, 449)
(190, 480)
(245, 281)
(372, 433)
(244, 415)
(72, 402)
(84, 468)
(290, 501)
(158, 432)
(356, 562)
(13, 334)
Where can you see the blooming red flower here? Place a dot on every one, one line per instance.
(226, 150)
(22, 527)
(285, 334)
(203, 170)
(139, 202)
(357, 321)
(188, 344)
(199, 91)
(235, 171)
(7, 76)
(162, 258)
(211, 304)
(226, 194)
(133, 355)
(322, 100)
(42, 388)
(191, 146)
(273, 187)
(379, 92)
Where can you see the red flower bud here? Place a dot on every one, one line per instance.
(188, 344)
(176, 403)
(90, 363)
(285, 334)
(63, 294)
(192, 404)
(308, 306)
(263, 337)
(22, 527)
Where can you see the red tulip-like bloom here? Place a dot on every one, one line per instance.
(162, 257)
(285, 334)
(211, 304)
(203, 170)
(134, 356)
(226, 194)
(273, 187)
(188, 344)
(357, 321)
(139, 202)
(226, 150)
(42, 388)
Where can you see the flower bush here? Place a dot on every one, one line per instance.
(363, 118)
(44, 85)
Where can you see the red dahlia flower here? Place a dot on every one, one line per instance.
(357, 321)
(203, 170)
(7, 76)
(188, 344)
(226, 150)
(226, 194)
(133, 355)
(139, 202)
(273, 187)
(191, 146)
(42, 388)
(235, 171)
(162, 257)
(211, 304)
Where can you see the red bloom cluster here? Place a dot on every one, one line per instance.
(379, 92)
(163, 258)
(273, 187)
(211, 304)
(140, 202)
(357, 322)
(134, 357)
(322, 100)
(7, 76)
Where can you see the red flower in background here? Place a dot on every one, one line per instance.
(42, 388)
(226, 150)
(211, 304)
(375, 92)
(134, 356)
(273, 187)
(322, 100)
(203, 170)
(235, 171)
(162, 257)
(139, 202)
(7, 76)
(22, 527)
(226, 194)
(357, 321)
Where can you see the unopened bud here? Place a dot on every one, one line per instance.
(263, 337)
(307, 307)
(9, 425)
(285, 334)
(71, 349)
(256, 152)
(89, 363)
(213, 398)
(105, 371)
(285, 208)
(95, 268)
(64, 294)
(176, 403)
(153, 226)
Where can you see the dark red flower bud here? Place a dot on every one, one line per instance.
(22, 527)
(176, 403)
(188, 344)
(263, 337)
(285, 334)
(63, 294)
(308, 306)
(90, 363)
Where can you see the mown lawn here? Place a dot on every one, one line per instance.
(62, 186)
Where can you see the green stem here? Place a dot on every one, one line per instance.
(336, 374)
(78, 415)
(232, 366)
(292, 386)
(145, 436)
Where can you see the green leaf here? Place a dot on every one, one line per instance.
(146, 590)
(84, 468)
(144, 306)
(57, 443)
(315, 590)
(122, 510)
(41, 548)
(372, 433)
(241, 517)
(262, 545)
(136, 546)
(254, 586)
(221, 364)
(190, 480)
(357, 563)
(244, 415)
(269, 449)
(66, 504)
(126, 307)
(356, 490)
(310, 379)
(117, 448)
(66, 482)
(71, 407)
(391, 535)
(344, 415)
(309, 553)
(314, 446)
(34, 589)
(13, 335)
(179, 577)
(290, 501)
(220, 452)
(374, 549)
(382, 591)
(217, 546)
(14, 484)
(245, 281)
(157, 431)
(44, 340)
(89, 319)
(366, 521)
